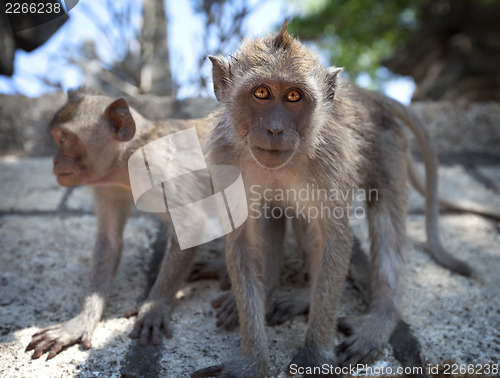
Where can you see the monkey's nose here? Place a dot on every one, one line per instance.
(275, 129)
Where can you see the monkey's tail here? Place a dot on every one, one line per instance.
(430, 192)
(449, 203)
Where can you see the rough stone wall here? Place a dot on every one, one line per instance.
(456, 128)
(462, 129)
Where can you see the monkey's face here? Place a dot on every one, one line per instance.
(274, 122)
(69, 160)
(89, 139)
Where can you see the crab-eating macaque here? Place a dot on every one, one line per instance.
(292, 126)
(95, 136)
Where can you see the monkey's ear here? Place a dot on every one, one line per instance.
(120, 120)
(221, 76)
(332, 78)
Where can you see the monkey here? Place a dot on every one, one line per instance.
(95, 136)
(288, 122)
(286, 306)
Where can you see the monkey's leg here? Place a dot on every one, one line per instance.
(244, 261)
(328, 268)
(273, 233)
(153, 315)
(112, 206)
(370, 332)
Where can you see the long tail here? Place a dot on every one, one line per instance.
(430, 192)
(449, 203)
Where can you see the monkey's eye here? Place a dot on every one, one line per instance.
(293, 95)
(262, 92)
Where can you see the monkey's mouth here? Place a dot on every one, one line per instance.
(67, 179)
(272, 150)
(272, 157)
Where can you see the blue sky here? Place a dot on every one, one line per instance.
(185, 31)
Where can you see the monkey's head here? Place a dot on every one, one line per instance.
(271, 89)
(89, 131)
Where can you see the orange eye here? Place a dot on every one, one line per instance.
(293, 95)
(262, 92)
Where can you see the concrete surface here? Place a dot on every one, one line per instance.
(46, 237)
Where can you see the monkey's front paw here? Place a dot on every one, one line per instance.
(54, 339)
(367, 335)
(309, 365)
(285, 307)
(241, 367)
(227, 312)
(211, 270)
(152, 318)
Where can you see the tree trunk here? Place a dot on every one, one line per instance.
(155, 74)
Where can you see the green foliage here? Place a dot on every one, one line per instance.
(357, 34)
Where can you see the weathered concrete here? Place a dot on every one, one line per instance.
(462, 128)
(46, 237)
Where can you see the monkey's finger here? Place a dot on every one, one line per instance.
(217, 302)
(222, 315)
(87, 340)
(352, 356)
(43, 331)
(228, 320)
(349, 354)
(341, 348)
(345, 326)
(56, 348)
(39, 340)
(229, 304)
(232, 323)
(132, 312)
(42, 348)
(208, 372)
(155, 335)
(279, 313)
(276, 315)
(225, 283)
(136, 330)
(145, 332)
(33, 344)
(167, 329)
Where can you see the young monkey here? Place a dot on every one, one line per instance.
(290, 124)
(95, 137)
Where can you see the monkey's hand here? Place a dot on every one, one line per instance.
(239, 367)
(287, 306)
(152, 318)
(53, 339)
(216, 270)
(367, 335)
(227, 312)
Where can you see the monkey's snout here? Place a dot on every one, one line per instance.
(275, 130)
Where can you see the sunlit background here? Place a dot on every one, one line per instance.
(99, 34)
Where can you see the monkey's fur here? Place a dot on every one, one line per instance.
(95, 137)
(287, 122)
